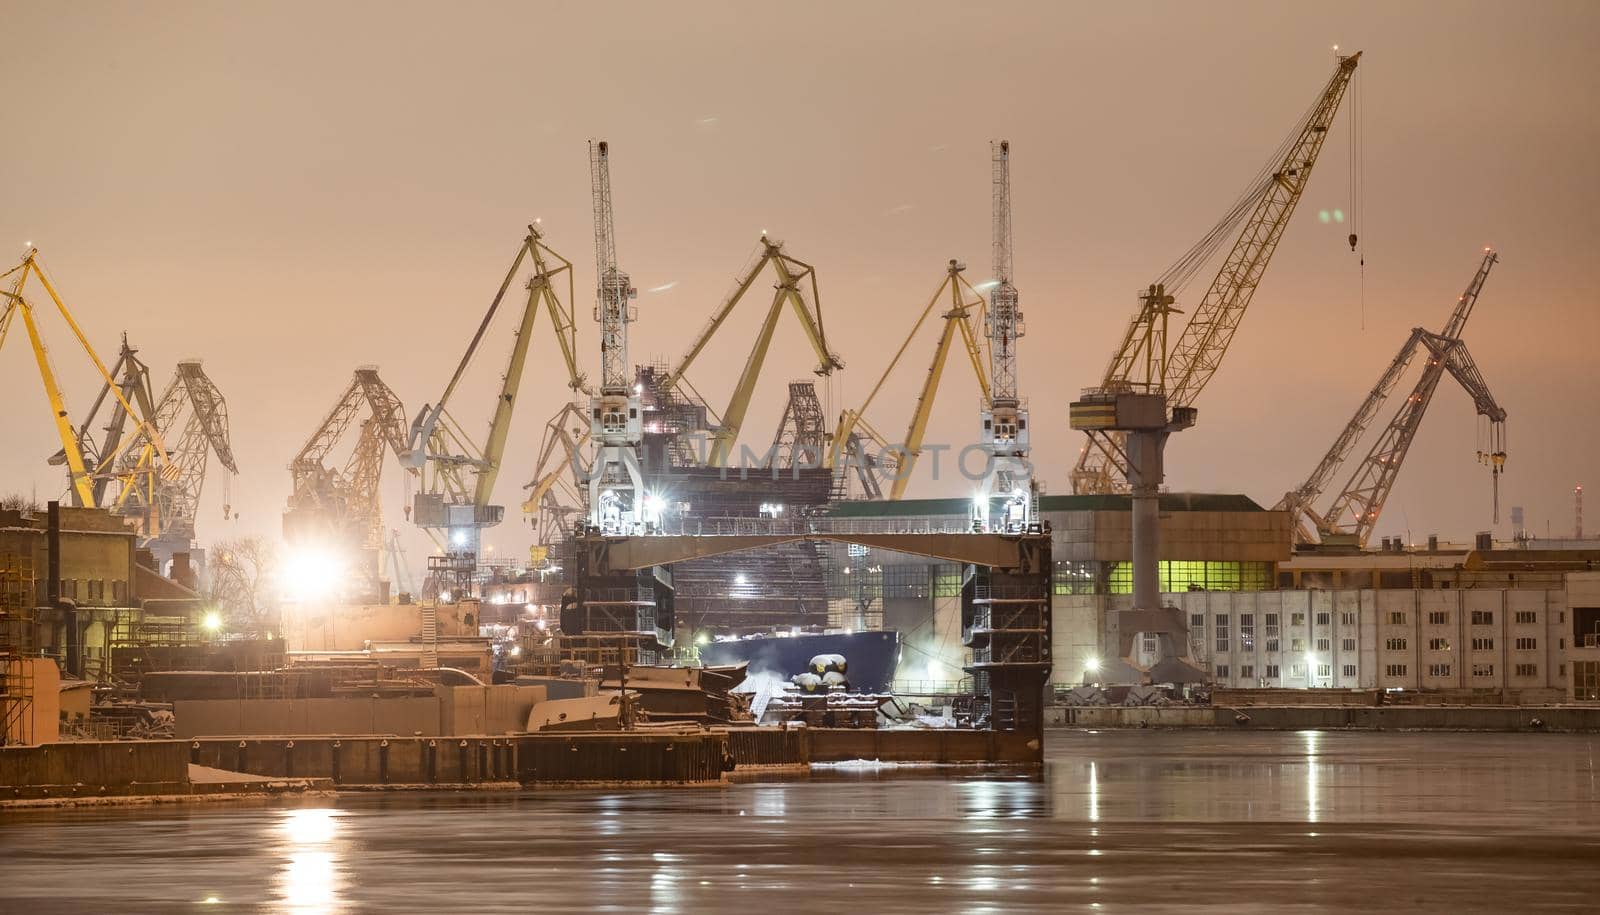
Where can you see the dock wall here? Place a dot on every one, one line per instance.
(1387, 718)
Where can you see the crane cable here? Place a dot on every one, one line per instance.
(1182, 271)
(1357, 181)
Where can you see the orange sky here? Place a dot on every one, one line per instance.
(290, 190)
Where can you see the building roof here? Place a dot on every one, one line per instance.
(1170, 502)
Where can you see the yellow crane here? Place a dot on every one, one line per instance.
(142, 474)
(796, 287)
(458, 473)
(897, 461)
(1143, 363)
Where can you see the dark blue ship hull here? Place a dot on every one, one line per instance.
(871, 656)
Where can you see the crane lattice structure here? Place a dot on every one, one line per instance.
(795, 286)
(458, 470)
(338, 507)
(617, 500)
(1256, 221)
(192, 419)
(1354, 513)
(1007, 497)
(89, 474)
(854, 435)
(802, 436)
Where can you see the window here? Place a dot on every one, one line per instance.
(1527, 670)
(1222, 671)
(1247, 632)
(69, 588)
(1350, 671)
(1197, 621)
(1297, 644)
(1247, 671)
(97, 589)
(1272, 625)
(1397, 618)
(1346, 618)
(1324, 644)
(1438, 617)
(1272, 671)
(1483, 617)
(1297, 671)
(1324, 671)
(1438, 670)
(1297, 619)
(1347, 645)
(1222, 633)
(1438, 644)
(1324, 619)
(119, 591)
(1395, 644)
(1526, 617)
(1483, 670)
(1149, 643)
(1272, 645)
(1526, 644)
(1394, 670)
(1483, 644)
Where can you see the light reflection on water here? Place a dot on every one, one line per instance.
(1109, 811)
(310, 876)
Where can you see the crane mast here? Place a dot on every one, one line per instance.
(1143, 363)
(1007, 495)
(618, 502)
(1354, 513)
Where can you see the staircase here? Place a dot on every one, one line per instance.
(430, 636)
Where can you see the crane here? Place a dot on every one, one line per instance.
(338, 508)
(133, 381)
(81, 472)
(1354, 512)
(618, 502)
(796, 287)
(192, 418)
(898, 461)
(1144, 363)
(1007, 495)
(559, 490)
(457, 471)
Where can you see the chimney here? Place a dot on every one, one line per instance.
(1433, 543)
(182, 572)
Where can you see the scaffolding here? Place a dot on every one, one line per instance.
(16, 644)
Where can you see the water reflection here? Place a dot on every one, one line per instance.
(310, 877)
(1312, 740)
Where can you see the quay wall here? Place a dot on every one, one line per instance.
(1301, 717)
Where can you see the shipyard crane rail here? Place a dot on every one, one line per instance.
(1354, 513)
(1143, 363)
(81, 481)
(458, 470)
(796, 286)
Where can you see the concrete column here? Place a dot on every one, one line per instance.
(1144, 479)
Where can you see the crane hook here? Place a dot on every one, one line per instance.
(1352, 241)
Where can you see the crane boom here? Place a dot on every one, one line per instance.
(1008, 477)
(1258, 218)
(613, 288)
(1356, 509)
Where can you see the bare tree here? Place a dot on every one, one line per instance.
(18, 502)
(242, 573)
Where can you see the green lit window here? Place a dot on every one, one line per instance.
(1196, 575)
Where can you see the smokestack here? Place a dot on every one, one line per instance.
(52, 546)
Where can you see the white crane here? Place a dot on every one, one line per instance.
(617, 500)
(1007, 495)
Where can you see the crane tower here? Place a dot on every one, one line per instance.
(617, 500)
(1007, 496)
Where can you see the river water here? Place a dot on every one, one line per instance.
(1118, 821)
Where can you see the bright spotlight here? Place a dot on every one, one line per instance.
(459, 538)
(1092, 665)
(311, 573)
(741, 579)
(704, 638)
(211, 622)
